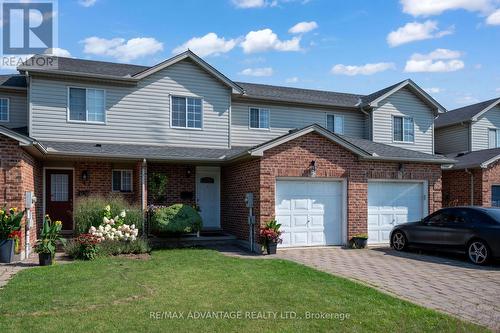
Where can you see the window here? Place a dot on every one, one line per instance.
(86, 105)
(59, 187)
(335, 123)
(186, 112)
(4, 109)
(493, 138)
(495, 196)
(259, 118)
(122, 181)
(403, 129)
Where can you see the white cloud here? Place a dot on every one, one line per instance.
(121, 49)
(436, 7)
(249, 3)
(466, 99)
(210, 44)
(267, 40)
(87, 3)
(303, 27)
(292, 80)
(439, 60)
(263, 71)
(494, 18)
(58, 52)
(433, 90)
(415, 31)
(367, 69)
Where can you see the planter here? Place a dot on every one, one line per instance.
(6, 250)
(45, 259)
(271, 247)
(359, 243)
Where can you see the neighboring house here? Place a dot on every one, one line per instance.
(327, 165)
(471, 136)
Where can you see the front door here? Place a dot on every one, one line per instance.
(59, 196)
(208, 196)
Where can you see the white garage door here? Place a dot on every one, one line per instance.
(392, 203)
(310, 212)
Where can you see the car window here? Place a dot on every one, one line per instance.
(447, 216)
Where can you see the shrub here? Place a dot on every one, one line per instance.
(113, 248)
(89, 210)
(175, 219)
(85, 247)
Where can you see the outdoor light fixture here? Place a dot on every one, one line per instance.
(85, 175)
(312, 168)
(188, 172)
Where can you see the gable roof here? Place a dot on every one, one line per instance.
(117, 71)
(13, 81)
(298, 95)
(476, 159)
(373, 99)
(365, 149)
(466, 113)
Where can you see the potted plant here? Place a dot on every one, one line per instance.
(270, 236)
(10, 224)
(46, 244)
(359, 241)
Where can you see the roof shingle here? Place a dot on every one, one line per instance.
(462, 114)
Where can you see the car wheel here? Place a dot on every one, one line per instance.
(478, 252)
(399, 241)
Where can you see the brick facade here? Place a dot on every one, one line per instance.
(293, 159)
(181, 183)
(19, 173)
(457, 186)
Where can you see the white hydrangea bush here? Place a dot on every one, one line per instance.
(115, 228)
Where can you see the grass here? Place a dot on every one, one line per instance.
(119, 294)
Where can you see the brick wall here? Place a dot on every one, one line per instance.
(457, 187)
(490, 177)
(237, 180)
(20, 172)
(180, 178)
(293, 159)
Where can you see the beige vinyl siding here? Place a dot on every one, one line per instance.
(404, 103)
(452, 139)
(138, 114)
(18, 109)
(491, 119)
(284, 118)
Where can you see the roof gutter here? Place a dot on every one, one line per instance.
(81, 75)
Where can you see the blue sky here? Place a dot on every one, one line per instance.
(450, 47)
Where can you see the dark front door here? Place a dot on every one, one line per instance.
(59, 196)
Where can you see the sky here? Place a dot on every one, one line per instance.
(451, 48)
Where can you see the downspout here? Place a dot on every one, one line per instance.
(471, 186)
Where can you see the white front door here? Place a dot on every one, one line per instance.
(393, 203)
(309, 211)
(208, 196)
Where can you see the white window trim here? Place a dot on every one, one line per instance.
(497, 141)
(249, 119)
(86, 110)
(8, 110)
(186, 127)
(392, 132)
(121, 180)
(335, 116)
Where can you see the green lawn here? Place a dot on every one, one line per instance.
(119, 294)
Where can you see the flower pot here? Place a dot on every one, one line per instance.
(6, 250)
(271, 247)
(360, 243)
(45, 259)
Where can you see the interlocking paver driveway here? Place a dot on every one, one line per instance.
(441, 283)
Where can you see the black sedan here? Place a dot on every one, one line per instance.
(474, 231)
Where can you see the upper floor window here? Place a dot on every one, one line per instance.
(335, 123)
(186, 112)
(403, 129)
(493, 138)
(87, 105)
(4, 109)
(122, 180)
(259, 118)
